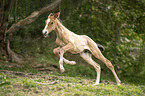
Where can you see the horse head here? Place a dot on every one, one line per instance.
(50, 24)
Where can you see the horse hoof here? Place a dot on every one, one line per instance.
(95, 84)
(73, 62)
(62, 70)
(119, 82)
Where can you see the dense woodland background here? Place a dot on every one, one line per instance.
(118, 25)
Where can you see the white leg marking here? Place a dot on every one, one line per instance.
(62, 68)
(61, 65)
(69, 62)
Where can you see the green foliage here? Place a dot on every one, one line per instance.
(119, 26)
(116, 24)
(3, 80)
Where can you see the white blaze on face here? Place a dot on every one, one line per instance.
(47, 22)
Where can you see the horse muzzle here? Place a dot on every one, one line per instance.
(45, 34)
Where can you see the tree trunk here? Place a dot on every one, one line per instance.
(5, 10)
(5, 34)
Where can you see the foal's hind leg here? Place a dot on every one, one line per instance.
(88, 58)
(100, 56)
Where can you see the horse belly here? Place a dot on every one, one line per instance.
(80, 44)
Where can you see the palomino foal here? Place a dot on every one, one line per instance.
(71, 42)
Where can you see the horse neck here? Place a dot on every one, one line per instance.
(60, 29)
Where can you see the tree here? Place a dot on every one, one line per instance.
(5, 11)
(6, 34)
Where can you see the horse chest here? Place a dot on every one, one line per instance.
(60, 42)
(62, 39)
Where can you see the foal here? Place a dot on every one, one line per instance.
(71, 42)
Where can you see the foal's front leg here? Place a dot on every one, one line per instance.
(62, 51)
(56, 51)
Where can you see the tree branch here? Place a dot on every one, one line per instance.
(32, 17)
(15, 27)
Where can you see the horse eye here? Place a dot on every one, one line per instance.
(51, 23)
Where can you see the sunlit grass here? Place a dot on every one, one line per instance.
(38, 84)
(77, 80)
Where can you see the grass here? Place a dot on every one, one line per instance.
(42, 77)
(27, 84)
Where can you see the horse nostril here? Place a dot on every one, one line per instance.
(45, 33)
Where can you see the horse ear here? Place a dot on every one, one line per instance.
(56, 15)
(49, 15)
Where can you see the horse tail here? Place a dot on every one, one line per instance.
(101, 47)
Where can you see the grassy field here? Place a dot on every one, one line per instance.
(46, 80)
